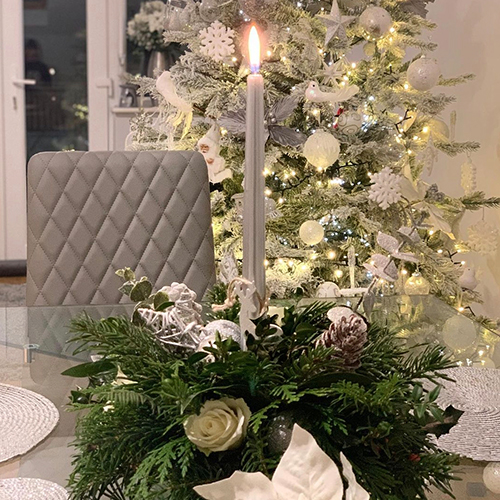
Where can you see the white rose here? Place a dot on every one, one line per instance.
(221, 425)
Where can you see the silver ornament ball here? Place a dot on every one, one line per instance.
(491, 477)
(423, 74)
(280, 433)
(227, 329)
(322, 149)
(376, 21)
(209, 10)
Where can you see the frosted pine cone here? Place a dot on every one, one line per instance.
(347, 333)
(385, 189)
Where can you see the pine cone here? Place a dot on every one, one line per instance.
(348, 334)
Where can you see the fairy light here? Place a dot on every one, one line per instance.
(331, 255)
(353, 65)
(281, 200)
(338, 273)
(425, 130)
(266, 263)
(406, 86)
(431, 232)
(223, 131)
(463, 263)
(268, 192)
(269, 53)
(392, 30)
(290, 263)
(440, 251)
(461, 309)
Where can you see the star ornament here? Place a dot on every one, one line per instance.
(305, 472)
(333, 72)
(336, 23)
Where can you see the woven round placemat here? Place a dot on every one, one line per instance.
(477, 393)
(21, 488)
(26, 418)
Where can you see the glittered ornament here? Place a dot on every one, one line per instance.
(459, 333)
(226, 329)
(416, 284)
(349, 122)
(322, 149)
(280, 433)
(491, 477)
(423, 74)
(376, 21)
(382, 267)
(469, 177)
(311, 232)
(386, 188)
(483, 238)
(209, 10)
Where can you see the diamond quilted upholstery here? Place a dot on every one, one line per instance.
(91, 213)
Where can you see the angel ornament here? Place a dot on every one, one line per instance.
(209, 147)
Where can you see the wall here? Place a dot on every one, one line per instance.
(467, 34)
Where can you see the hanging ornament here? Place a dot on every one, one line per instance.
(469, 177)
(350, 122)
(209, 10)
(228, 269)
(209, 147)
(423, 74)
(468, 280)
(416, 284)
(217, 41)
(353, 4)
(376, 21)
(311, 232)
(328, 289)
(483, 238)
(438, 128)
(270, 207)
(429, 155)
(369, 48)
(393, 246)
(459, 333)
(322, 149)
(385, 190)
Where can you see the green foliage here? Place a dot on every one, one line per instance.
(131, 442)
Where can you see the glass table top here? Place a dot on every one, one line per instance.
(34, 352)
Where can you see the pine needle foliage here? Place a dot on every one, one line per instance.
(130, 438)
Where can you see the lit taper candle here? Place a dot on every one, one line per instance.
(254, 218)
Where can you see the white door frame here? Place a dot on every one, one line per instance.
(106, 65)
(12, 132)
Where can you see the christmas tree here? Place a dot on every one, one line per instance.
(354, 118)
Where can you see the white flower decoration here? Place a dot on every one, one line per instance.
(305, 472)
(221, 425)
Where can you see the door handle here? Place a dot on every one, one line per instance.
(22, 82)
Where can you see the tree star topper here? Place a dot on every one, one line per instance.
(336, 23)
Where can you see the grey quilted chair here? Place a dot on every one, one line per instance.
(91, 213)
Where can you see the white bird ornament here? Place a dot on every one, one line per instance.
(315, 94)
(166, 87)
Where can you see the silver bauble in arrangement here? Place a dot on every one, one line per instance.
(209, 10)
(423, 74)
(226, 329)
(328, 289)
(376, 21)
(349, 122)
(280, 433)
(322, 149)
(311, 232)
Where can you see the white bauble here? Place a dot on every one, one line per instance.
(311, 232)
(423, 74)
(459, 333)
(491, 477)
(376, 21)
(322, 149)
(350, 122)
(328, 289)
(416, 284)
(209, 10)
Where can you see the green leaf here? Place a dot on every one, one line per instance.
(141, 290)
(433, 395)
(90, 369)
(161, 301)
(127, 274)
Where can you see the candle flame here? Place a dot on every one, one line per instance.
(254, 49)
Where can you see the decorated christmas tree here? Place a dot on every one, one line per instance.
(354, 118)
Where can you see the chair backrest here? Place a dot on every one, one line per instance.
(91, 213)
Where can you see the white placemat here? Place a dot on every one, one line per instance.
(31, 489)
(26, 418)
(477, 393)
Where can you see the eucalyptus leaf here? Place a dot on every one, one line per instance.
(141, 290)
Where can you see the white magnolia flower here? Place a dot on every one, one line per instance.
(305, 472)
(221, 425)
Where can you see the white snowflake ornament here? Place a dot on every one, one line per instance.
(217, 41)
(483, 238)
(385, 189)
